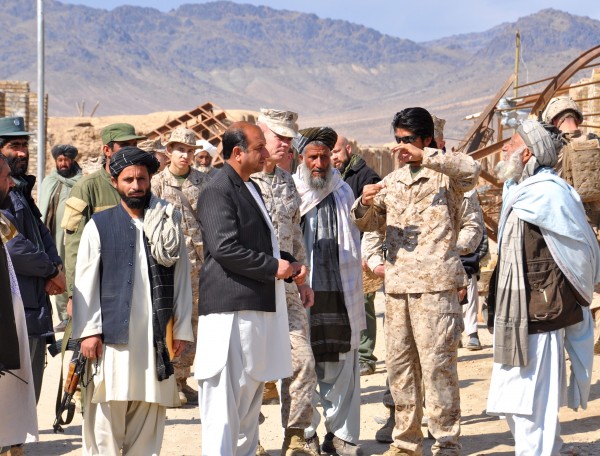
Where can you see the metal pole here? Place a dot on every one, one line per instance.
(41, 134)
(517, 58)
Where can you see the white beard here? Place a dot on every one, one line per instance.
(316, 183)
(511, 168)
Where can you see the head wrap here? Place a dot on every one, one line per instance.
(541, 144)
(67, 150)
(129, 156)
(325, 135)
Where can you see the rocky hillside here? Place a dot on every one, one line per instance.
(137, 60)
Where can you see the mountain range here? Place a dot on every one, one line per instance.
(136, 60)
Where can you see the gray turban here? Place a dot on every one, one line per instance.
(67, 150)
(540, 143)
(325, 135)
(130, 156)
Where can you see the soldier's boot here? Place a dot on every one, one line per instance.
(395, 451)
(294, 444)
(270, 394)
(384, 435)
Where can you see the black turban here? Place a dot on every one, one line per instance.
(67, 150)
(129, 156)
(325, 135)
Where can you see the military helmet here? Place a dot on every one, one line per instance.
(558, 105)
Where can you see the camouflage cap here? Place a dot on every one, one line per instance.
(280, 122)
(151, 146)
(13, 126)
(559, 105)
(119, 132)
(438, 126)
(203, 144)
(182, 135)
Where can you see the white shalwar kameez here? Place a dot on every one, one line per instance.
(236, 353)
(125, 403)
(18, 420)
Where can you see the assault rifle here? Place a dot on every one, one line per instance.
(76, 368)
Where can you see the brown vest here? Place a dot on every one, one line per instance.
(552, 302)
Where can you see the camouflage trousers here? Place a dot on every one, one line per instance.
(184, 362)
(297, 391)
(422, 332)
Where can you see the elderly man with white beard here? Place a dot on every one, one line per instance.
(338, 316)
(548, 263)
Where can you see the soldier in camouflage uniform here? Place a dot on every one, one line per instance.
(181, 185)
(93, 193)
(565, 114)
(283, 204)
(419, 205)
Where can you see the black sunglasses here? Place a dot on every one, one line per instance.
(405, 139)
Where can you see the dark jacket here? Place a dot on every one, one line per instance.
(357, 174)
(33, 254)
(239, 268)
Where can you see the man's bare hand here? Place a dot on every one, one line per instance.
(285, 270)
(91, 347)
(299, 274)
(379, 271)
(462, 292)
(56, 285)
(307, 295)
(70, 307)
(408, 153)
(178, 347)
(369, 192)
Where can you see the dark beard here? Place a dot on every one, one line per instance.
(18, 166)
(136, 202)
(69, 172)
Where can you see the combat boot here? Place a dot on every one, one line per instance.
(395, 451)
(294, 444)
(270, 394)
(384, 435)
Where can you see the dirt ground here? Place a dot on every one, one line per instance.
(481, 434)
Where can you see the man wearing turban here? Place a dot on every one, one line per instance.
(338, 315)
(132, 266)
(54, 192)
(548, 263)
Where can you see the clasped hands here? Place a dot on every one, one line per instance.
(296, 271)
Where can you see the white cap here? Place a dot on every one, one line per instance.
(205, 145)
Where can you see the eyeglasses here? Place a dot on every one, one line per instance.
(18, 145)
(405, 139)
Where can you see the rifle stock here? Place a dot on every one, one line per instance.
(76, 368)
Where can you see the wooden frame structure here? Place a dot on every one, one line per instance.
(474, 142)
(207, 121)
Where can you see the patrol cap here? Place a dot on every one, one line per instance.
(13, 126)
(182, 135)
(438, 126)
(559, 105)
(281, 122)
(203, 144)
(119, 132)
(151, 146)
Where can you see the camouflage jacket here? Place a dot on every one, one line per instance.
(421, 215)
(92, 193)
(283, 205)
(186, 198)
(471, 224)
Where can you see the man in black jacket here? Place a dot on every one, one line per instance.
(357, 174)
(32, 250)
(243, 337)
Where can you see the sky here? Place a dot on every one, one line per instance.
(417, 20)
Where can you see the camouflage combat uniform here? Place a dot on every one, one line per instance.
(283, 204)
(91, 194)
(421, 215)
(185, 197)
